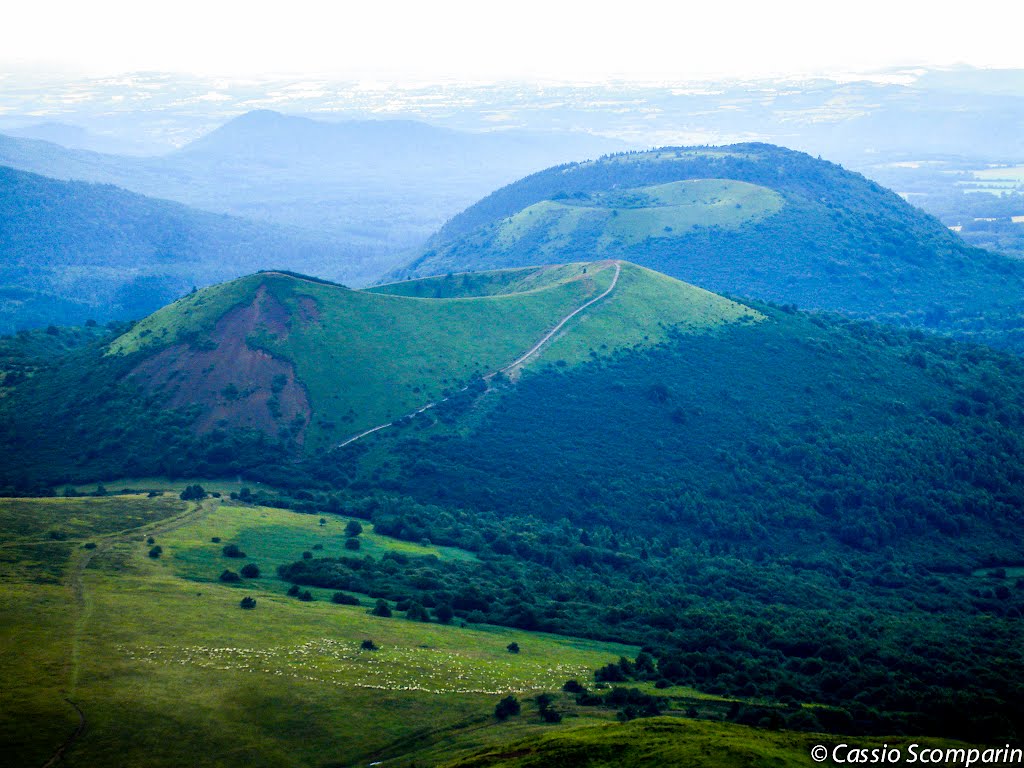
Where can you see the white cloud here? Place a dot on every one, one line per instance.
(526, 39)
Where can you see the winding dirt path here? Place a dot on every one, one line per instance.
(510, 368)
(76, 583)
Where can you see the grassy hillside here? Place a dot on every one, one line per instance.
(152, 647)
(364, 358)
(73, 251)
(608, 222)
(285, 364)
(745, 220)
(660, 742)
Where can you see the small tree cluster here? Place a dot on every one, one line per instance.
(193, 493)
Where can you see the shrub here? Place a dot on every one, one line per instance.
(368, 645)
(151, 541)
(573, 686)
(215, 539)
(251, 571)
(248, 603)
(507, 707)
(352, 544)
(232, 550)
(307, 555)
(353, 528)
(512, 647)
(306, 597)
(381, 609)
(293, 590)
(89, 545)
(550, 715)
(341, 598)
(230, 577)
(155, 552)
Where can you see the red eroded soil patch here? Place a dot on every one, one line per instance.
(235, 385)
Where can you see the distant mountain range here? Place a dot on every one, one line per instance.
(377, 184)
(74, 251)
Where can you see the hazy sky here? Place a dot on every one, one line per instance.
(547, 39)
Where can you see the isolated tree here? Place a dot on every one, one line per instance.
(248, 603)
(353, 528)
(507, 707)
(381, 609)
(512, 647)
(251, 571)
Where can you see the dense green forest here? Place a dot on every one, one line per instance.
(839, 242)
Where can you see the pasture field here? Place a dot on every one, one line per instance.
(627, 217)
(168, 670)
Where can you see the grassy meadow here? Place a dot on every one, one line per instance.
(169, 670)
(627, 217)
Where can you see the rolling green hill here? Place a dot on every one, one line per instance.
(306, 364)
(749, 220)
